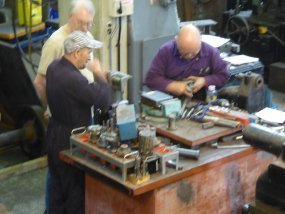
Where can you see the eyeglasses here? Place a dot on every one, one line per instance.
(189, 55)
(84, 23)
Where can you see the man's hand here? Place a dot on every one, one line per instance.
(200, 82)
(179, 88)
(98, 69)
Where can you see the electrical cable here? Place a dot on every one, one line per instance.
(111, 36)
(29, 30)
(120, 11)
(276, 37)
(16, 38)
(119, 43)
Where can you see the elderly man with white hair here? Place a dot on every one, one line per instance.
(70, 97)
(80, 17)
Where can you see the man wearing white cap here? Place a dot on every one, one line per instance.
(70, 97)
(80, 17)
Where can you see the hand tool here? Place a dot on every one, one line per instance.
(217, 146)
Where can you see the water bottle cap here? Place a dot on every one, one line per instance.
(212, 87)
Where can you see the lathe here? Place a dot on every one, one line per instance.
(270, 186)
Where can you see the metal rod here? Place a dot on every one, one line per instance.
(217, 146)
(10, 137)
(191, 153)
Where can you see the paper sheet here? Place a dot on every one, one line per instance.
(214, 41)
(271, 115)
(240, 59)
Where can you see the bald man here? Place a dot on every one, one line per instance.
(183, 59)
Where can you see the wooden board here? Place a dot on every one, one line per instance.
(190, 132)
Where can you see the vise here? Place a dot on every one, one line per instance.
(249, 95)
(270, 186)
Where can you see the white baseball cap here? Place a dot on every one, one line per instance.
(78, 40)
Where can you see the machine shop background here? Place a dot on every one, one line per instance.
(256, 28)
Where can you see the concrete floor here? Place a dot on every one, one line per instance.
(22, 187)
(23, 194)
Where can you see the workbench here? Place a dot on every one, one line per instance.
(221, 181)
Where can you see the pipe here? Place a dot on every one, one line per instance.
(264, 138)
(11, 137)
(191, 153)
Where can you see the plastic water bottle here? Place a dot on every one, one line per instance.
(211, 93)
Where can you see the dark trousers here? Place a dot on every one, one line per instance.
(66, 194)
(67, 188)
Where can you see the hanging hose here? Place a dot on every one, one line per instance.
(111, 34)
(119, 43)
(119, 36)
(16, 38)
(276, 37)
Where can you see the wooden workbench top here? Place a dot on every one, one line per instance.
(190, 132)
(209, 158)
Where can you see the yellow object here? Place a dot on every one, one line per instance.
(262, 29)
(29, 12)
(138, 180)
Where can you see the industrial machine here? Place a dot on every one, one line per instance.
(249, 95)
(22, 120)
(160, 23)
(258, 27)
(270, 186)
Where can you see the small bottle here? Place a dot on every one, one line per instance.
(211, 93)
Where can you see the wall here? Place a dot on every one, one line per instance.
(189, 10)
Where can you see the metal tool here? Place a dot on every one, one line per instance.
(207, 125)
(184, 104)
(191, 153)
(217, 146)
(200, 112)
(172, 122)
(190, 112)
(187, 99)
(221, 121)
(264, 138)
(173, 164)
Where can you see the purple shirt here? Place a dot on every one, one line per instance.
(168, 65)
